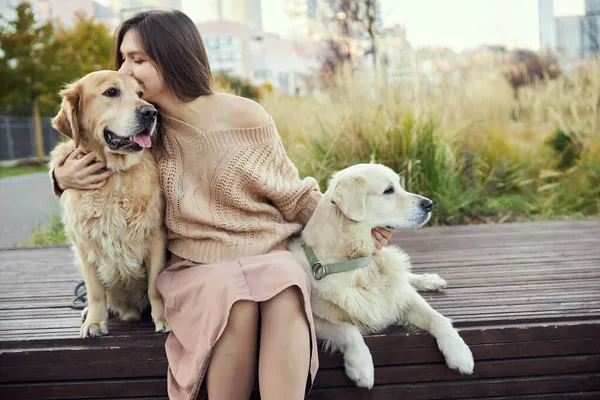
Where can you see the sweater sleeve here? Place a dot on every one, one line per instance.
(295, 198)
(58, 156)
(55, 188)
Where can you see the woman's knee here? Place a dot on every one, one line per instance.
(243, 317)
(287, 303)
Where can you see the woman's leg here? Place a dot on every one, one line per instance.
(284, 347)
(232, 369)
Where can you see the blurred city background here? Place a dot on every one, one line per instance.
(490, 107)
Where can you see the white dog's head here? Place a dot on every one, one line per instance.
(371, 194)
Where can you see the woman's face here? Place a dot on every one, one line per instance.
(138, 65)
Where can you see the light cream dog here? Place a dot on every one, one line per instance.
(116, 231)
(347, 305)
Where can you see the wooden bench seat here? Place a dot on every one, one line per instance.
(525, 297)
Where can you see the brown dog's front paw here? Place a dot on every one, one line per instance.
(158, 314)
(161, 324)
(93, 328)
(84, 314)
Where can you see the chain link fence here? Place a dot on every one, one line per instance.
(17, 140)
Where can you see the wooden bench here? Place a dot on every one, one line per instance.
(525, 297)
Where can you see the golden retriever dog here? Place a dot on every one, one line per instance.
(383, 292)
(116, 231)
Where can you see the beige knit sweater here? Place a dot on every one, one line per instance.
(230, 193)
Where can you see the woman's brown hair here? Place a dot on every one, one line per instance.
(173, 44)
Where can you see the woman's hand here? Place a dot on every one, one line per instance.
(79, 171)
(381, 236)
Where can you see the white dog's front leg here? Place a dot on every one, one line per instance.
(455, 350)
(426, 282)
(357, 357)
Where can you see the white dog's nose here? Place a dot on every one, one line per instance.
(426, 205)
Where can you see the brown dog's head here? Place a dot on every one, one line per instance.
(104, 110)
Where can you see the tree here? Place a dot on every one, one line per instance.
(36, 60)
(78, 50)
(356, 19)
(25, 70)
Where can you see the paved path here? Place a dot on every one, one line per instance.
(25, 201)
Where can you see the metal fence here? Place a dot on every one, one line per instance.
(17, 139)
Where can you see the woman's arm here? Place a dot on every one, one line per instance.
(295, 198)
(78, 171)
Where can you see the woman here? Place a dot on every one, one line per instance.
(236, 299)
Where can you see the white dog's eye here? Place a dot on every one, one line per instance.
(389, 190)
(112, 92)
(140, 94)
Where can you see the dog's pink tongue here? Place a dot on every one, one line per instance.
(143, 140)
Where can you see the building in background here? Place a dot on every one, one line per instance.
(64, 11)
(569, 40)
(590, 30)
(236, 49)
(547, 26)
(247, 12)
(394, 52)
(105, 15)
(302, 18)
(578, 36)
(126, 8)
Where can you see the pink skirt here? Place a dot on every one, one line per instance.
(198, 299)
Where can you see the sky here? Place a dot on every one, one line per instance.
(458, 24)
(463, 24)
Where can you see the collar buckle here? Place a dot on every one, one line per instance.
(319, 270)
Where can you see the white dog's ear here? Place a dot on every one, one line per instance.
(350, 196)
(67, 120)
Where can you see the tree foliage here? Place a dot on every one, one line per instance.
(36, 60)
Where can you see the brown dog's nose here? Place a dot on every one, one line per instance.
(148, 112)
(426, 204)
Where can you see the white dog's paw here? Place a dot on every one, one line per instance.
(359, 367)
(432, 282)
(458, 355)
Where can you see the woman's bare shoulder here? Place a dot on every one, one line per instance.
(241, 112)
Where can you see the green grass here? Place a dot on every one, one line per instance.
(455, 143)
(47, 235)
(7, 172)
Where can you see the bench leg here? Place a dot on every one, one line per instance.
(345, 337)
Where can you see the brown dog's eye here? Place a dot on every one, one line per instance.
(112, 92)
(140, 94)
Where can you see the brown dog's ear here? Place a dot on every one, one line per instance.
(67, 121)
(350, 196)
